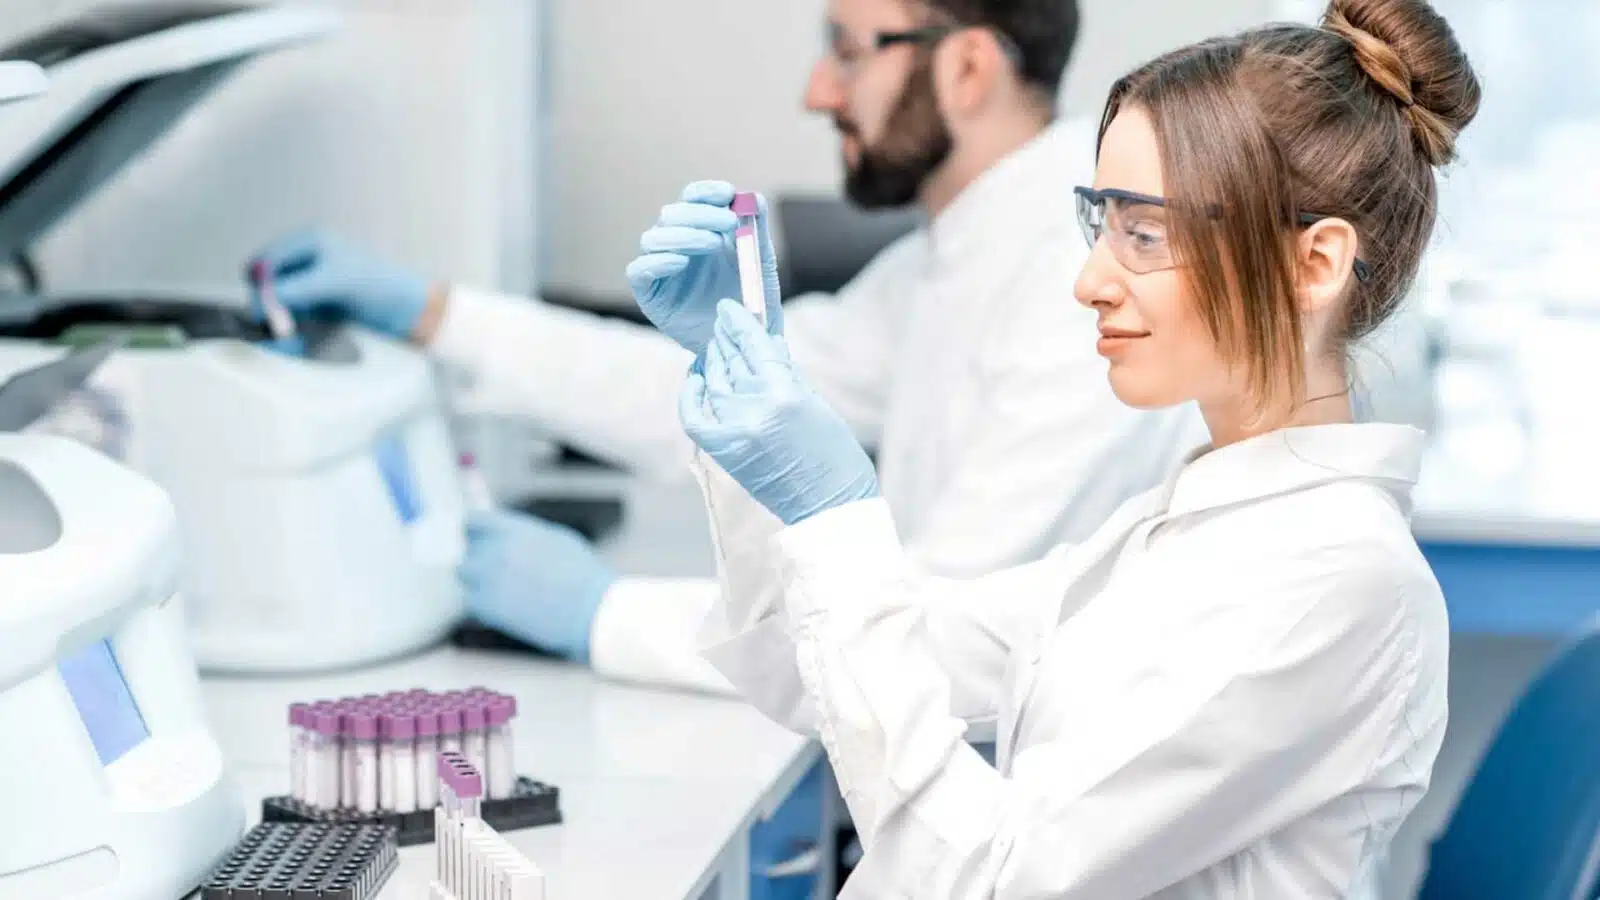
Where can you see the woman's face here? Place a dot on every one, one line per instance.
(1160, 351)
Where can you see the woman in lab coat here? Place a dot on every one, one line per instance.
(1236, 686)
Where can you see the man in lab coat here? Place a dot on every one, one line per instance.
(958, 352)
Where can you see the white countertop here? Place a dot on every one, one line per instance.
(657, 787)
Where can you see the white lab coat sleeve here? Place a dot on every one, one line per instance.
(646, 631)
(607, 387)
(845, 343)
(1050, 450)
(750, 640)
(1166, 767)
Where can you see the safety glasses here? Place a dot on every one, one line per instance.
(1135, 226)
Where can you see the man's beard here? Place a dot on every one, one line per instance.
(915, 143)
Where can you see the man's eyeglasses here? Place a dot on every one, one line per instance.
(1135, 225)
(849, 54)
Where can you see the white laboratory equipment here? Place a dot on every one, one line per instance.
(317, 498)
(20, 80)
(115, 788)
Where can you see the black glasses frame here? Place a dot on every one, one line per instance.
(930, 35)
(1363, 269)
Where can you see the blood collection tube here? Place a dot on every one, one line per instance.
(466, 783)
(450, 728)
(362, 749)
(297, 751)
(502, 769)
(426, 779)
(474, 485)
(322, 786)
(747, 249)
(397, 770)
(347, 756)
(279, 322)
(474, 737)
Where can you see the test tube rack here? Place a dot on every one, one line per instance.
(532, 805)
(372, 759)
(279, 861)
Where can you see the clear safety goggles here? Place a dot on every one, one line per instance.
(1135, 227)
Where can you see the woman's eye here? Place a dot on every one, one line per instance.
(1144, 237)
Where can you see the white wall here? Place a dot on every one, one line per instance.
(685, 90)
(711, 89)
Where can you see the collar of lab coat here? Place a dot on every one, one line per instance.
(1027, 189)
(1293, 459)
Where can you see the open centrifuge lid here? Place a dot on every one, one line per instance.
(119, 77)
(19, 80)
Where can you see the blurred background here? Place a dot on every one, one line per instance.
(523, 145)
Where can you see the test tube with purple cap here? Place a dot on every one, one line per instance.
(747, 249)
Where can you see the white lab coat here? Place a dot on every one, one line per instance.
(959, 352)
(1235, 688)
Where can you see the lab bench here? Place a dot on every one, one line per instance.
(659, 788)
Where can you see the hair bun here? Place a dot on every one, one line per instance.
(1408, 50)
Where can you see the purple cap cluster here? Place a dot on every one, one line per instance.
(403, 715)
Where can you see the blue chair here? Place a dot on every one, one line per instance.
(1528, 825)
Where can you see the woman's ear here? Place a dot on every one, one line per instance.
(1326, 259)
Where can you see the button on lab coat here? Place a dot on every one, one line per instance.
(1235, 688)
(959, 352)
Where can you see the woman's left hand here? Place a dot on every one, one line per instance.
(747, 408)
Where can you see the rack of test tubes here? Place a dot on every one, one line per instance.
(473, 861)
(282, 861)
(373, 759)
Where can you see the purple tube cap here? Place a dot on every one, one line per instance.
(393, 727)
(326, 724)
(745, 204)
(427, 724)
(363, 726)
(460, 775)
(474, 716)
(501, 710)
(449, 721)
(298, 713)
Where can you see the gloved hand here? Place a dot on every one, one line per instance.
(688, 263)
(537, 581)
(751, 412)
(313, 271)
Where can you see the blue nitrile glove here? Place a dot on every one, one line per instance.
(688, 264)
(534, 580)
(314, 271)
(751, 412)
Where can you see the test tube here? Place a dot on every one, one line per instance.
(747, 249)
(502, 768)
(450, 728)
(279, 322)
(397, 770)
(474, 737)
(361, 748)
(476, 487)
(427, 760)
(297, 751)
(323, 787)
(347, 756)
